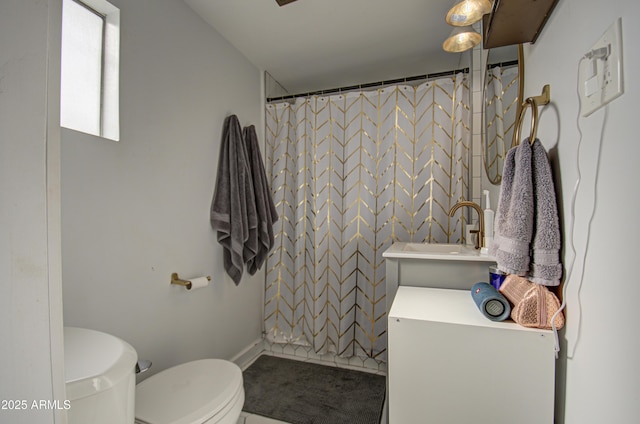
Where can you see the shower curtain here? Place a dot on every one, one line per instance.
(501, 104)
(351, 174)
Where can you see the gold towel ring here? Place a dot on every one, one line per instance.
(534, 119)
(533, 102)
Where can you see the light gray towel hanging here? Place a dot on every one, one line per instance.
(514, 219)
(265, 209)
(233, 213)
(545, 267)
(527, 235)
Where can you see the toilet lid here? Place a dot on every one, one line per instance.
(189, 393)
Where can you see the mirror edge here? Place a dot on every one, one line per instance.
(498, 179)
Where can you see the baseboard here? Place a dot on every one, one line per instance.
(262, 346)
(249, 354)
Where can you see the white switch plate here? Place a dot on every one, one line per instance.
(608, 79)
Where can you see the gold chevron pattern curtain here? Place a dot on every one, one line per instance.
(501, 105)
(351, 174)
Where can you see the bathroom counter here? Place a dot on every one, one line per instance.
(450, 307)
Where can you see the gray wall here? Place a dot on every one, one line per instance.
(599, 382)
(136, 210)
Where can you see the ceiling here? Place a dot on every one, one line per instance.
(311, 45)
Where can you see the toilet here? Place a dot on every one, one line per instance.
(205, 391)
(100, 382)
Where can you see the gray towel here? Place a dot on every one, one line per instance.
(514, 219)
(233, 213)
(545, 266)
(266, 210)
(527, 234)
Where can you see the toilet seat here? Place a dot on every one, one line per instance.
(203, 391)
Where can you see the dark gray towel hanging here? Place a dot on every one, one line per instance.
(233, 209)
(266, 210)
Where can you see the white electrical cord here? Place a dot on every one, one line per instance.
(601, 53)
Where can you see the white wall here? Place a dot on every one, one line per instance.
(31, 358)
(137, 210)
(600, 381)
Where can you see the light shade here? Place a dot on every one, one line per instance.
(461, 39)
(468, 12)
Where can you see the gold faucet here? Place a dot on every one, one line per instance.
(480, 241)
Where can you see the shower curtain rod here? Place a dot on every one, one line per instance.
(503, 64)
(369, 85)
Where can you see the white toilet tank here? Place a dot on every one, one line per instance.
(100, 377)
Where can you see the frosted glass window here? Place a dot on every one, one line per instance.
(81, 84)
(89, 67)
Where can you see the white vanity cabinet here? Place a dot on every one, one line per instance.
(447, 363)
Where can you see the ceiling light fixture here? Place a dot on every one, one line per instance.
(461, 39)
(468, 12)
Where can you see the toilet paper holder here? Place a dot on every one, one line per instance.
(176, 280)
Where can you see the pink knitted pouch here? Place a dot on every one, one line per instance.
(533, 304)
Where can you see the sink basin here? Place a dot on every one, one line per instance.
(451, 249)
(439, 251)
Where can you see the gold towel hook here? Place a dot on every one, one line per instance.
(533, 102)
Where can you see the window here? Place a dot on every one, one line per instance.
(90, 62)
